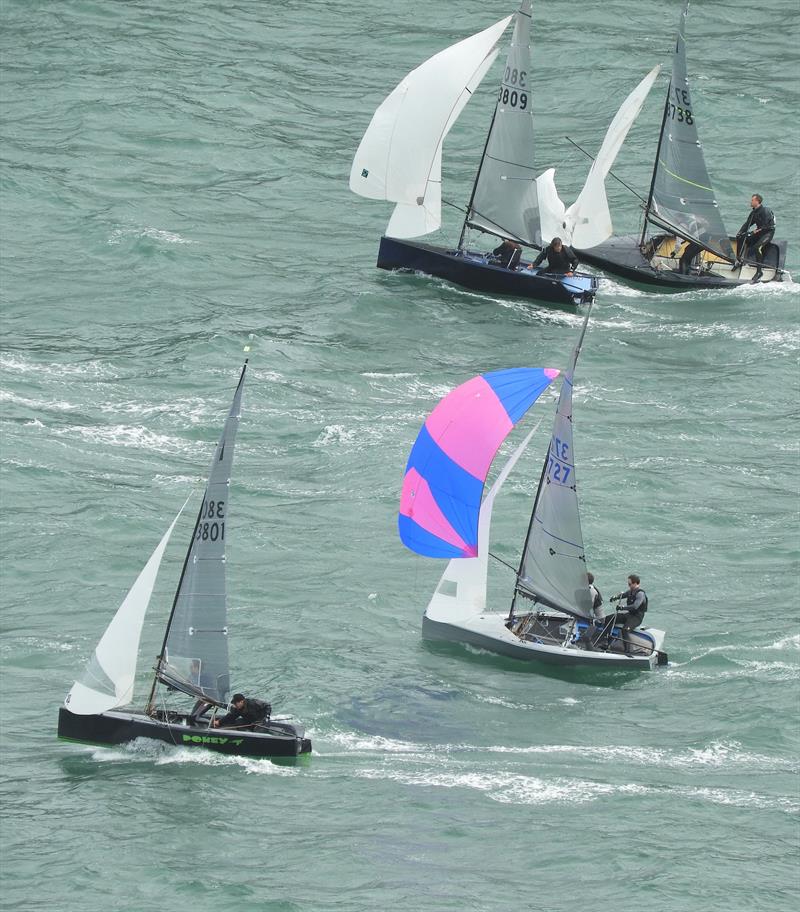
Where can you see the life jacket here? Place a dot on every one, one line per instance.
(598, 598)
(629, 601)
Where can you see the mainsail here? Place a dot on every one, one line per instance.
(504, 200)
(399, 157)
(681, 196)
(109, 677)
(196, 642)
(446, 470)
(553, 565)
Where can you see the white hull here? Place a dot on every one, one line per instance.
(489, 631)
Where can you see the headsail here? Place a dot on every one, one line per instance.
(462, 588)
(553, 565)
(196, 642)
(681, 195)
(587, 222)
(504, 200)
(399, 157)
(448, 464)
(109, 677)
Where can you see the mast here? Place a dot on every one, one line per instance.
(649, 202)
(475, 182)
(219, 456)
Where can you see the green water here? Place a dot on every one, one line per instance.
(174, 181)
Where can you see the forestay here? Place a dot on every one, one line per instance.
(108, 680)
(504, 200)
(553, 566)
(196, 643)
(399, 157)
(442, 488)
(682, 196)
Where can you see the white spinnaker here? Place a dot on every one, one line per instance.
(461, 592)
(587, 222)
(418, 218)
(399, 157)
(109, 676)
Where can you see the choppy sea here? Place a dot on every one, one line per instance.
(174, 187)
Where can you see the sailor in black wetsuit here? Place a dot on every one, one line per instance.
(560, 258)
(245, 713)
(635, 608)
(756, 242)
(508, 254)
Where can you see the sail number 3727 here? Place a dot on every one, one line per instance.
(558, 469)
(513, 91)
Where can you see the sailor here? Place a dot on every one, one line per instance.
(597, 598)
(508, 253)
(635, 608)
(246, 712)
(762, 220)
(560, 258)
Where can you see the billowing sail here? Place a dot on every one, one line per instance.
(682, 195)
(448, 464)
(109, 677)
(399, 157)
(587, 222)
(196, 644)
(553, 566)
(461, 592)
(505, 200)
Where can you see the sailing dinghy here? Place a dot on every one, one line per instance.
(684, 243)
(441, 516)
(193, 667)
(400, 160)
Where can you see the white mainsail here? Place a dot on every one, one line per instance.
(461, 592)
(399, 157)
(553, 566)
(504, 201)
(108, 680)
(587, 222)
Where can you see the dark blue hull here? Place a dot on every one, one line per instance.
(622, 256)
(472, 270)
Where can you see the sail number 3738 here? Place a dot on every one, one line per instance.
(681, 110)
(513, 91)
(211, 525)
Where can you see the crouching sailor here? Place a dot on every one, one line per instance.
(246, 713)
(635, 607)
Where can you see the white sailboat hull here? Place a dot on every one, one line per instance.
(488, 631)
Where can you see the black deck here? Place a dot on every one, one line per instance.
(472, 271)
(274, 739)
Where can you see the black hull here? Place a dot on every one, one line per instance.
(275, 740)
(472, 271)
(623, 257)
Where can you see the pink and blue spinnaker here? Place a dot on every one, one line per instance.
(443, 485)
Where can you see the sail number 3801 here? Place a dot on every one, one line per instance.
(211, 525)
(513, 91)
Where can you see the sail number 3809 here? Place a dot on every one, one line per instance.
(211, 525)
(513, 91)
